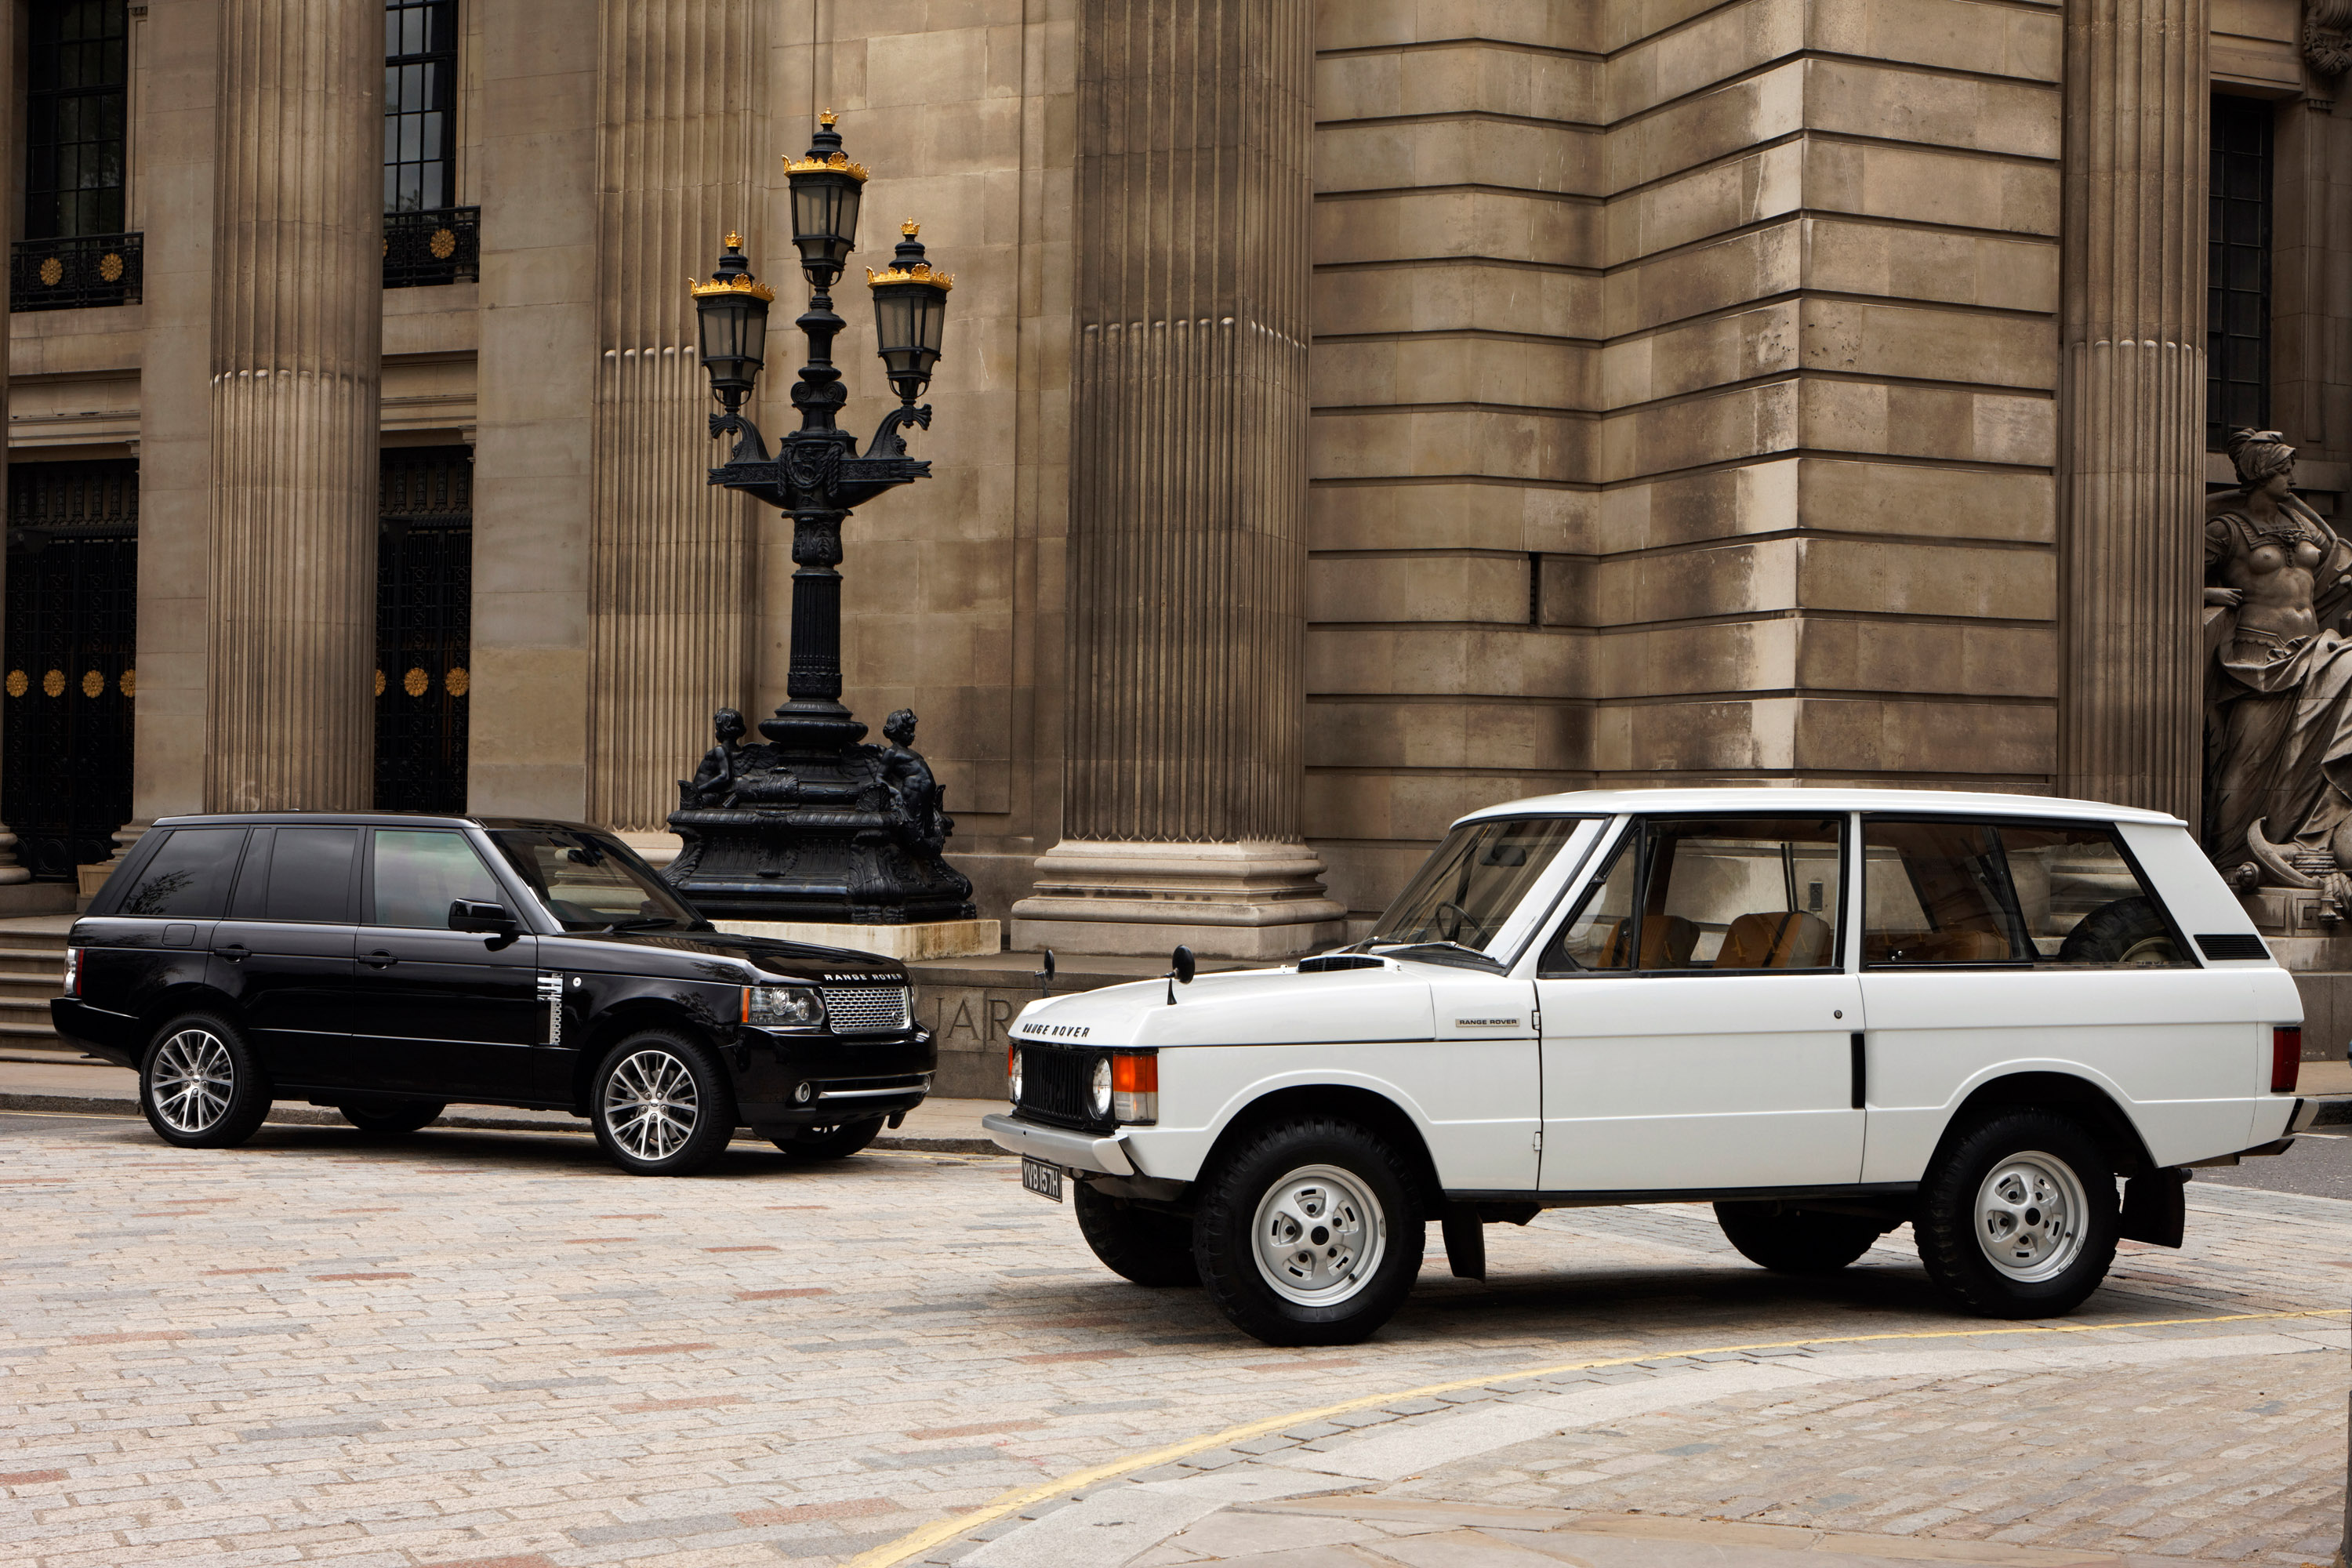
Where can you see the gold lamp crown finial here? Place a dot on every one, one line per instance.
(827, 118)
(734, 240)
(911, 228)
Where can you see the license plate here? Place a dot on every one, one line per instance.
(1038, 1177)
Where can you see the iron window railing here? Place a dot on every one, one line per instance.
(64, 274)
(442, 245)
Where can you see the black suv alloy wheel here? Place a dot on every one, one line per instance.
(660, 1105)
(199, 1085)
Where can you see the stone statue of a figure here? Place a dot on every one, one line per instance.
(2278, 732)
(913, 787)
(715, 779)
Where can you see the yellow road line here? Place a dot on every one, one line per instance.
(942, 1530)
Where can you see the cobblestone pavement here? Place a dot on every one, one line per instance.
(492, 1348)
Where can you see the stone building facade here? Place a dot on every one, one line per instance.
(1352, 413)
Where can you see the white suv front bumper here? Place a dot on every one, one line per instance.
(1059, 1146)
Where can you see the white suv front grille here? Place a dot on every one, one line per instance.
(865, 1009)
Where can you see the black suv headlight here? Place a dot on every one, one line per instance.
(783, 1006)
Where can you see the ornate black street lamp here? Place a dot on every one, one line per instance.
(814, 826)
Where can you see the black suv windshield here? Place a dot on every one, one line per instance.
(590, 882)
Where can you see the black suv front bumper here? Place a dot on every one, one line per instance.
(786, 1078)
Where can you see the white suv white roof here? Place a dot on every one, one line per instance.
(1808, 798)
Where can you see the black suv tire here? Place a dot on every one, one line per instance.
(660, 1105)
(1795, 1241)
(2017, 1218)
(812, 1144)
(390, 1118)
(1137, 1244)
(1261, 1211)
(200, 1086)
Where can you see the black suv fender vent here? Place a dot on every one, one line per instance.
(2232, 945)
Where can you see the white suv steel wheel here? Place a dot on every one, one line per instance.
(1319, 1235)
(2030, 1216)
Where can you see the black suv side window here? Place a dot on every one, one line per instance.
(188, 877)
(418, 873)
(299, 874)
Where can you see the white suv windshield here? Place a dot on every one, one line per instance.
(1473, 890)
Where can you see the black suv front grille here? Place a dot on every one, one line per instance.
(1055, 1081)
(866, 1009)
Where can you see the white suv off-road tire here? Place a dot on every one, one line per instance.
(2017, 1216)
(1307, 1232)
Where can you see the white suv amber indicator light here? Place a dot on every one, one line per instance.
(1135, 1086)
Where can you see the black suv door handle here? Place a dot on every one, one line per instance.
(379, 959)
(235, 952)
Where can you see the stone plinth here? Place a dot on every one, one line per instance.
(907, 944)
(1223, 900)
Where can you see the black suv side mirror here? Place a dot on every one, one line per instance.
(472, 914)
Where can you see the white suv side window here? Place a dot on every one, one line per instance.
(2053, 895)
(1711, 893)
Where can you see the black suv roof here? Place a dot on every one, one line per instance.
(365, 819)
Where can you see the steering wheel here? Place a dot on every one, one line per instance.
(1462, 917)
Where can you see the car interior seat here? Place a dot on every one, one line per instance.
(1666, 944)
(1788, 939)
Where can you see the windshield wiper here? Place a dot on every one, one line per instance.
(1445, 953)
(650, 923)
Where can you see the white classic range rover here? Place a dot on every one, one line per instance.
(1826, 1011)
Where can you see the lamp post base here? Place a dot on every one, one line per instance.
(847, 835)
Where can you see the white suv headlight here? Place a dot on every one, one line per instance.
(783, 1006)
(1098, 1091)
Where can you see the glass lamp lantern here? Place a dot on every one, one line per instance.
(910, 313)
(827, 190)
(730, 312)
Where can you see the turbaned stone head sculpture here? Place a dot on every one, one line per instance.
(2260, 456)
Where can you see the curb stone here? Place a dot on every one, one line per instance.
(308, 1116)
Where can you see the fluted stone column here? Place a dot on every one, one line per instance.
(1188, 393)
(9, 870)
(297, 338)
(2133, 454)
(672, 583)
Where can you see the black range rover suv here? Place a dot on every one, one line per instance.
(387, 966)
